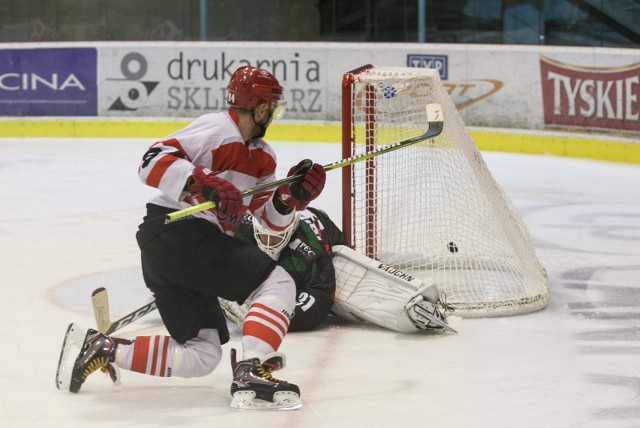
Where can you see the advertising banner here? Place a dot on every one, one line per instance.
(591, 97)
(179, 80)
(190, 81)
(526, 87)
(48, 82)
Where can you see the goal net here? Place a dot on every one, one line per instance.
(432, 209)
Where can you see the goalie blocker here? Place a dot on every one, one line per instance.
(373, 291)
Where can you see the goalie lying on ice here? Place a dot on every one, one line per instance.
(332, 278)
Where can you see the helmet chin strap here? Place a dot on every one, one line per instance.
(263, 126)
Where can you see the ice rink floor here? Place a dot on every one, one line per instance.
(70, 209)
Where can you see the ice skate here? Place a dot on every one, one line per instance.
(98, 352)
(73, 340)
(253, 387)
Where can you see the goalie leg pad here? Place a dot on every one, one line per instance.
(369, 290)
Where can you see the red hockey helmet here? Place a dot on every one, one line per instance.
(250, 85)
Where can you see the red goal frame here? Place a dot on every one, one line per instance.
(348, 150)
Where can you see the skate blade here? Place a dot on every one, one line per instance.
(282, 400)
(71, 345)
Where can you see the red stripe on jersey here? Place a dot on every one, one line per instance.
(265, 160)
(259, 199)
(234, 116)
(237, 157)
(271, 226)
(262, 332)
(140, 354)
(175, 143)
(158, 170)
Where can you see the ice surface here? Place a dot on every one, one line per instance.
(69, 214)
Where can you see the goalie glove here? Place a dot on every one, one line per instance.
(233, 311)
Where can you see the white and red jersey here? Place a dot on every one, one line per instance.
(213, 140)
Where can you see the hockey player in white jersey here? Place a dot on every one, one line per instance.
(332, 278)
(189, 263)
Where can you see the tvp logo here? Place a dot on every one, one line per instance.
(437, 62)
(133, 91)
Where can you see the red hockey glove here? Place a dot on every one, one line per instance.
(224, 194)
(299, 194)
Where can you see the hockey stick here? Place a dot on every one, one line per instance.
(100, 303)
(435, 122)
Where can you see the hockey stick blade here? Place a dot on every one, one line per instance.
(100, 303)
(436, 124)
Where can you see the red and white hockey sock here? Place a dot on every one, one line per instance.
(151, 355)
(269, 314)
(263, 330)
(163, 356)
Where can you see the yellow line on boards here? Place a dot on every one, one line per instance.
(558, 144)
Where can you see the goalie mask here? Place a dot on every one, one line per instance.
(270, 241)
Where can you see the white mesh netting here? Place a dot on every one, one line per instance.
(434, 207)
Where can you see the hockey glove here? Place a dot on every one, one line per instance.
(299, 194)
(224, 194)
